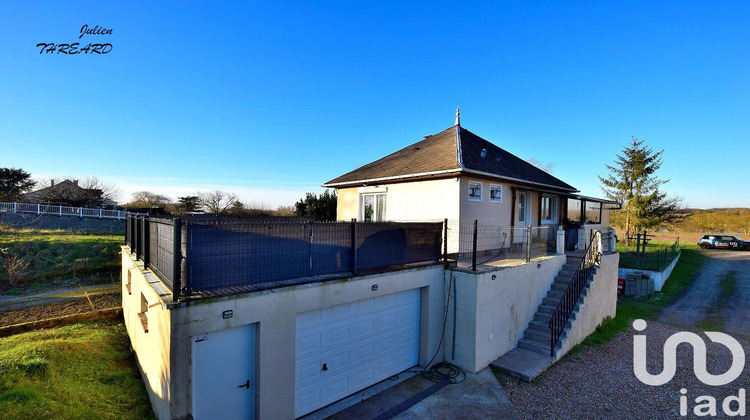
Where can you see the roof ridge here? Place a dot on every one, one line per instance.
(459, 159)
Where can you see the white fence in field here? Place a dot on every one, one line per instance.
(63, 210)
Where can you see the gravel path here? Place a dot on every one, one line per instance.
(702, 300)
(69, 306)
(599, 383)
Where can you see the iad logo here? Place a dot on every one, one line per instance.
(699, 357)
(706, 403)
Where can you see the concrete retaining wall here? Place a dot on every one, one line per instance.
(494, 308)
(659, 277)
(49, 221)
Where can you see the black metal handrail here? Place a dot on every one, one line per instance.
(570, 298)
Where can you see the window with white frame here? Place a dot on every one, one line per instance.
(373, 208)
(496, 193)
(549, 208)
(475, 191)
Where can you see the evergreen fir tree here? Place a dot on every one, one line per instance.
(633, 182)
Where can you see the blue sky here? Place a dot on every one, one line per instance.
(271, 99)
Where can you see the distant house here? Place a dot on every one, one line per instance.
(457, 175)
(69, 193)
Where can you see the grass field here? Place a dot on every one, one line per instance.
(658, 254)
(50, 254)
(80, 371)
(629, 309)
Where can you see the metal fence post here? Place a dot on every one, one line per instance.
(474, 248)
(176, 259)
(445, 240)
(136, 237)
(310, 246)
(15, 207)
(38, 209)
(354, 246)
(146, 243)
(528, 243)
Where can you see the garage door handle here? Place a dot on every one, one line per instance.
(245, 385)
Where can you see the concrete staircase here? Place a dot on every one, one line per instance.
(532, 356)
(536, 338)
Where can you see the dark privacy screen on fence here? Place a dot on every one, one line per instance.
(219, 253)
(234, 254)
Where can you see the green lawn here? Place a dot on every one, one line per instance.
(629, 309)
(658, 255)
(49, 254)
(82, 370)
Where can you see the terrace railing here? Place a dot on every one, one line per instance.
(207, 255)
(36, 208)
(473, 244)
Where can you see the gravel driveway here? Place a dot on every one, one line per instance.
(704, 299)
(598, 382)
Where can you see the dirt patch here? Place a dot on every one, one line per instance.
(69, 306)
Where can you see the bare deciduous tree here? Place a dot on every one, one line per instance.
(546, 167)
(216, 202)
(148, 199)
(15, 268)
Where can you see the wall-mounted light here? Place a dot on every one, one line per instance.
(374, 287)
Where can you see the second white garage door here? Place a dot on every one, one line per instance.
(346, 348)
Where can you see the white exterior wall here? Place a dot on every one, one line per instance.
(274, 312)
(406, 201)
(152, 348)
(485, 212)
(502, 307)
(659, 277)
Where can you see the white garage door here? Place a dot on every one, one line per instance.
(343, 349)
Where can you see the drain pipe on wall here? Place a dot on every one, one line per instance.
(453, 342)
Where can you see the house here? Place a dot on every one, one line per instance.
(457, 175)
(279, 320)
(69, 193)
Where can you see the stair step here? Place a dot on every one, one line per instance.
(560, 287)
(542, 317)
(555, 294)
(534, 346)
(550, 302)
(562, 280)
(537, 336)
(566, 273)
(546, 309)
(542, 327)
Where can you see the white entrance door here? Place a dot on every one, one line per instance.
(346, 348)
(522, 212)
(523, 215)
(224, 374)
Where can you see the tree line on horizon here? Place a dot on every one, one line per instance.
(15, 184)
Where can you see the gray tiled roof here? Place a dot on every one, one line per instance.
(438, 154)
